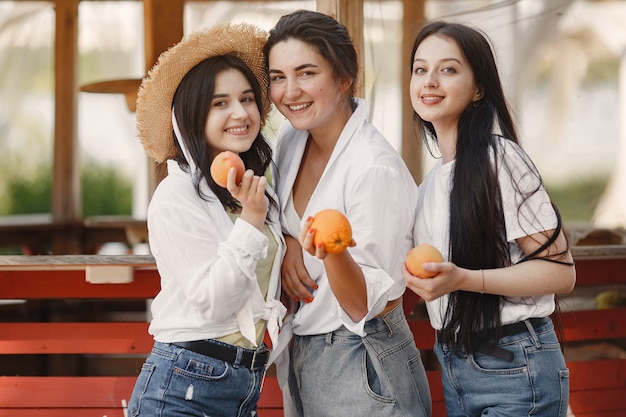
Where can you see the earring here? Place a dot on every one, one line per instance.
(475, 103)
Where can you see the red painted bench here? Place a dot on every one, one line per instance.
(64, 278)
(598, 386)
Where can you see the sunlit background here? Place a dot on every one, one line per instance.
(562, 62)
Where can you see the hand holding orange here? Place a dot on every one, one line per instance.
(418, 256)
(222, 163)
(333, 230)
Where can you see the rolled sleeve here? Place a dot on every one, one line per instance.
(378, 284)
(247, 239)
(383, 220)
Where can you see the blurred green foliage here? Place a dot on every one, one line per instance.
(105, 191)
(577, 200)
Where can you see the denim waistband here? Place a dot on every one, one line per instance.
(384, 323)
(236, 355)
(486, 342)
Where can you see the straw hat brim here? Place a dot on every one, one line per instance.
(156, 92)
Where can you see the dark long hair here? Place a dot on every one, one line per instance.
(478, 237)
(191, 107)
(329, 37)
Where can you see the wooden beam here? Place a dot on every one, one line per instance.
(72, 284)
(163, 28)
(413, 19)
(66, 196)
(350, 13)
(75, 338)
(32, 392)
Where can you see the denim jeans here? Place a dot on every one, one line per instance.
(344, 375)
(178, 382)
(535, 383)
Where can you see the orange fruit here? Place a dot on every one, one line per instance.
(332, 229)
(418, 256)
(223, 162)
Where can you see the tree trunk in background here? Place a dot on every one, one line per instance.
(611, 210)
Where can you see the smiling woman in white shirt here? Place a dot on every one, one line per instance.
(218, 250)
(352, 351)
(485, 207)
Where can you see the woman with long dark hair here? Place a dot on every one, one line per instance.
(484, 206)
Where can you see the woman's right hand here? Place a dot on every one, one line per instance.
(296, 281)
(449, 278)
(251, 194)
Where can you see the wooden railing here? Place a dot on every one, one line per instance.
(38, 234)
(83, 360)
(60, 386)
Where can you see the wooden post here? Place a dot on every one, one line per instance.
(66, 195)
(350, 13)
(413, 19)
(163, 28)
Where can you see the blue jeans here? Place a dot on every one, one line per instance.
(535, 383)
(344, 375)
(178, 382)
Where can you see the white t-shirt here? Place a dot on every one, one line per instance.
(367, 180)
(536, 215)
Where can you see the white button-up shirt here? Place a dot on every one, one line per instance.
(207, 266)
(367, 180)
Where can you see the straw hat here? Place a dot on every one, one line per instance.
(155, 95)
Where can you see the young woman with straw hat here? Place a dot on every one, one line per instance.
(218, 250)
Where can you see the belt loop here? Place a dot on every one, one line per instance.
(239, 356)
(329, 339)
(533, 333)
(388, 324)
(253, 364)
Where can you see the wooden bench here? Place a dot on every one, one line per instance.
(63, 278)
(49, 278)
(62, 387)
(597, 384)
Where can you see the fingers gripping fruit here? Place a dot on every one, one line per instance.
(418, 256)
(332, 229)
(222, 163)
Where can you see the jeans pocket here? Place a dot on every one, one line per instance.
(375, 385)
(141, 386)
(496, 365)
(210, 369)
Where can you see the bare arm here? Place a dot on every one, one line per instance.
(345, 276)
(530, 278)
